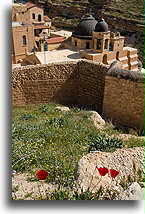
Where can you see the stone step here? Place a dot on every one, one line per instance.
(133, 56)
(134, 63)
(123, 60)
(135, 69)
(125, 66)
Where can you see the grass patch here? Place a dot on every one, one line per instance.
(44, 137)
(129, 5)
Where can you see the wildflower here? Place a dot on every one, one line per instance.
(42, 174)
(103, 171)
(113, 173)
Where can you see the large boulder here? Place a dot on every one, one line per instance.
(122, 160)
(97, 119)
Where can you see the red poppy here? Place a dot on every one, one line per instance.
(113, 173)
(41, 174)
(103, 171)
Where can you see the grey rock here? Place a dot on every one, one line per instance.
(133, 192)
(65, 109)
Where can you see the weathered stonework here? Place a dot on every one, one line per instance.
(123, 97)
(116, 94)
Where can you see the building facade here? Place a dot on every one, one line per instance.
(97, 43)
(29, 30)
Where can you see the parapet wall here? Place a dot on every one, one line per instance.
(91, 85)
(116, 94)
(56, 82)
(123, 98)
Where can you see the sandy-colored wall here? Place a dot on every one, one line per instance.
(91, 85)
(55, 82)
(55, 46)
(19, 49)
(68, 83)
(117, 94)
(81, 43)
(123, 98)
(36, 11)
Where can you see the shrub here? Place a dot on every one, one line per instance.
(28, 117)
(104, 144)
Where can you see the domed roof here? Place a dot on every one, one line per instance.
(101, 26)
(85, 28)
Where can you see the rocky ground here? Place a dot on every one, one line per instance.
(129, 164)
(25, 186)
(127, 185)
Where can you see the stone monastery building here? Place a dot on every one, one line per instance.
(29, 25)
(97, 43)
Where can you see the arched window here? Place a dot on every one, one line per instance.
(87, 45)
(105, 59)
(39, 18)
(33, 16)
(117, 55)
(110, 46)
(24, 40)
(106, 44)
(99, 42)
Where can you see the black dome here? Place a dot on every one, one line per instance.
(85, 28)
(101, 26)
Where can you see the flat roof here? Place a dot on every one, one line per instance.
(55, 40)
(59, 55)
(41, 27)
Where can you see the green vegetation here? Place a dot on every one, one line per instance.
(44, 137)
(129, 5)
(68, 21)
(104, 144)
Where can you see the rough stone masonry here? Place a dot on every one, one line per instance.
(116, 94)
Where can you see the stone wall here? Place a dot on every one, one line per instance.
(123, 98)
(116, 94)
(45, 83)
(91, 85)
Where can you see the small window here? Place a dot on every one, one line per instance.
(33, 16)
(87, 45)
(110, 47)
(99, 43)
(75, 43)
(39, 17)
(106, 43)
(24, 40)
(22, 12)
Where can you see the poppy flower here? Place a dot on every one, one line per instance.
(103, 171)
(42, 174)
(113, 173)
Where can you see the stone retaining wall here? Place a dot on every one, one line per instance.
(91, 85)
(123, 98)
(55, 82)
(117, 96)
